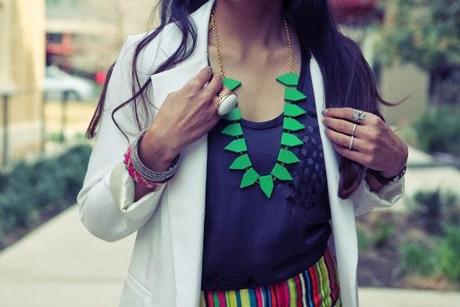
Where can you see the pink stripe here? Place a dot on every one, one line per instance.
(332, 277)
(282, 293)
(298, 287)
(274, 296)
(221, 297)
(314, 282)
(210, 300)
(259, 298)
(287, 294)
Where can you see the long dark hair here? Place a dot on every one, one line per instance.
(348, 79)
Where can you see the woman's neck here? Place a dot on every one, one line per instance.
(244, 23)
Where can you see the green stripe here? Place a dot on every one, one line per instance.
(215, 299)
(292, 292)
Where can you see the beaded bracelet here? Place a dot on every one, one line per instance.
(137, 177)
(147, 173)
(141, 173)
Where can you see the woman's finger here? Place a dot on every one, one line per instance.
(344, 140)
(358, 157)
(200, 79)
(343, 126)
(214, 86)
(346, 113)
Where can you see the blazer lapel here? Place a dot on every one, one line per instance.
(342, 210)
(186, 191)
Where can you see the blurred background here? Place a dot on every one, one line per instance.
(53, 59)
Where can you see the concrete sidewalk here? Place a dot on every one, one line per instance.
(61, 264)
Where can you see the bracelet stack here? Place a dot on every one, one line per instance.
(142, 174)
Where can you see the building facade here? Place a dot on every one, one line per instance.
(22, 45)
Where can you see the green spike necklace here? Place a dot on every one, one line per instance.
(290, 126)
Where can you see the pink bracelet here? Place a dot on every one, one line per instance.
(137, 177)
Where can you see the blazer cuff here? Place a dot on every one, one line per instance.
(122, 187)
(366, 200)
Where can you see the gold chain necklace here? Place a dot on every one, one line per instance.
(290, 125)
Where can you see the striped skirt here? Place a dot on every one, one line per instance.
(317, 286)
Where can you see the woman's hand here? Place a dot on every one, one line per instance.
(185, 116)
(375, 145)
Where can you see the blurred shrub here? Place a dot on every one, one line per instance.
(364, 241)
(377, 236)
(447, 253)
(417, 258)
(439, 257)
(436, 207)
(438, 130)
(48, 185)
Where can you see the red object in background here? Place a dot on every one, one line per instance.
(100, 76)
(354, 10)
(59, 44)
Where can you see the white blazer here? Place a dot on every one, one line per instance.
(166, 262)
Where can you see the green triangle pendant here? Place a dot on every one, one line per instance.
(288, 157)
(292, 124)
(266, 185)
(294, 95)
(241, 162)
(231, 84)
(249, 178)
(281, 172)
(238, 145)
(234, 114)
(293, 110)
(289, 79)
(233, 130)
(291, 140)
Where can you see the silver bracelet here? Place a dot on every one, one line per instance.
(147, 173)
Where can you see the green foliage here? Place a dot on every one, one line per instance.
(417, 258)
(377, 237)
(49, 184)
(383, 234)
(438, 130)
(364, 242)
(448, 253)
(423, 32)
(440, 258)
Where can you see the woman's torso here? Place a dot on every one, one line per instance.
(250, 240)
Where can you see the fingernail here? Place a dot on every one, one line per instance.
(324, 111)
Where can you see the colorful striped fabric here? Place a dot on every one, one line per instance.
(317, 286)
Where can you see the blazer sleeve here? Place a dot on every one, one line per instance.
(365, 200)
(106, 201)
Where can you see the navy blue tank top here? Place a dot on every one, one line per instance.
(252, 241)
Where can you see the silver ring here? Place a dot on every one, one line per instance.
(358, 116)
(350, 145)
(354, 129)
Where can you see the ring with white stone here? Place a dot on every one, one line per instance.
(226, 103)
